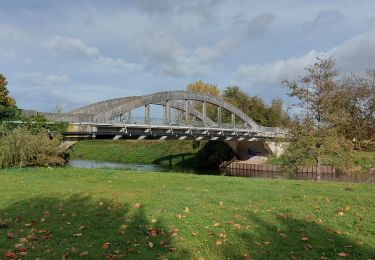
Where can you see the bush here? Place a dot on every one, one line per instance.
(21, 148)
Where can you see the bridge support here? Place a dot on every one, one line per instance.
(204, 112)
(147, 114)
(219, 116)
(129, 116)
(187, 112)
(167, 113)
(233, 120)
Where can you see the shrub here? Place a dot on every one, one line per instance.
(21, 148)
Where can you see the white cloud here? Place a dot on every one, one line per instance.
(71, 46)
(37, 79)
(171, 58)
(76, 48)
(356, 54)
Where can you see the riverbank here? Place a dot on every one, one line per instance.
(48, 213)
(364, 159)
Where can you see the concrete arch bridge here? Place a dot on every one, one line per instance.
(180, 120)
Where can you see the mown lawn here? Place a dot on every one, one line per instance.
(51, 213)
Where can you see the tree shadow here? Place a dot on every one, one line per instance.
(291, 238)
(78, 226)
(169, 158)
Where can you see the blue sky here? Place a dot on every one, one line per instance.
(77, 52)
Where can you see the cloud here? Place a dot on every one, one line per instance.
(354, 55)
(76, 48)
(73, 47)
(260, 24)
(37, 79)
(171, 58)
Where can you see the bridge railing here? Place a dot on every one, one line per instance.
(183, 123)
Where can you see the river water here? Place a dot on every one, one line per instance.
(128, 166)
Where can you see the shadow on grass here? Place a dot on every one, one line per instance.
(169, 158)
(290, 238)
(52, 228)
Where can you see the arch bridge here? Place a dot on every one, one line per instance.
(181, 119)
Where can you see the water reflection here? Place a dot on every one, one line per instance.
(128, 166)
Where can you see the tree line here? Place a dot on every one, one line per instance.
(254, 106)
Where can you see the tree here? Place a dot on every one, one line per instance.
(317, 136)
(276, 116)
(357, 97)
(8, 108)
(208, 89)
(5, 99)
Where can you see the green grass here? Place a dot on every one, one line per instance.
(53, 212)
(133, 151)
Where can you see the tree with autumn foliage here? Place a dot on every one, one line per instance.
(8, 108)
(208, 89)
(316, 136)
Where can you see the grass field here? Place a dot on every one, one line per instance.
(50, 213)
(133, 151)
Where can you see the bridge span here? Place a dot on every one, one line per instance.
(113, 119)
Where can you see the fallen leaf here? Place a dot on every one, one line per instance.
(10, 255)
(186, 210)
(221, 203)
(137, 205)
(10, 235)
(42, 220)
(219, 243)
(154, 221)
(77, 234)
(152, 232)
(342, 254)
(245, 257)
(23, 239)
(150, 245)
(216, 224)
(84, 253)
(105, 245)
(304, 238)
(238, 226)
(17, 246)
(194, 234)
(282, 215)
(32, 223)
(178, 216)
(266, 243)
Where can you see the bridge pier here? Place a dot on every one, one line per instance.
(147, 114)
(187, 112)
(219, 116)
(233, 120)
(204, 112)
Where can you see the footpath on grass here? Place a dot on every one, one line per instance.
(98, 213)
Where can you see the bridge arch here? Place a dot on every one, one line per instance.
(104, 111)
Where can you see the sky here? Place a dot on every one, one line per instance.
(74, 53)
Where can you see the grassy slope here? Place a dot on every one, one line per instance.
(265, 219)
(131, 151)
